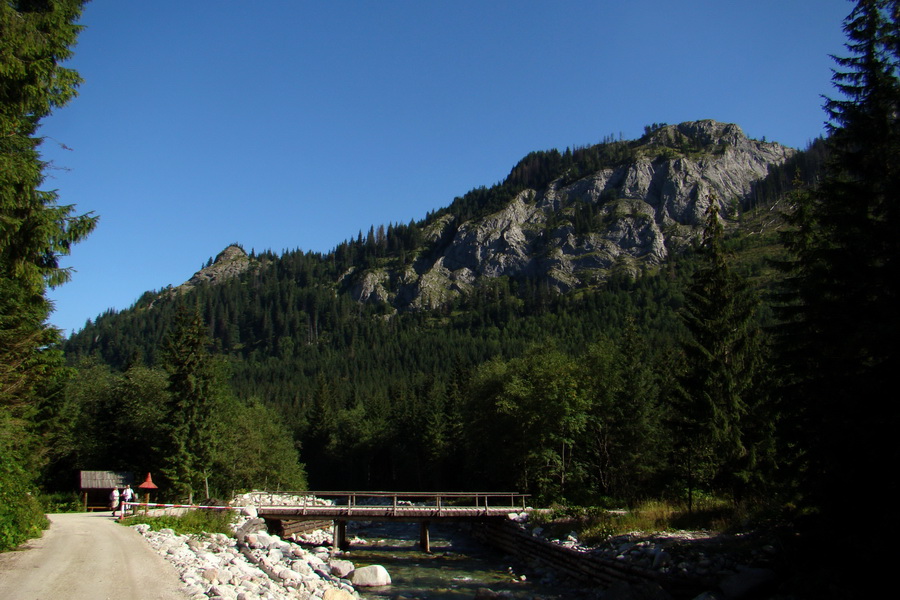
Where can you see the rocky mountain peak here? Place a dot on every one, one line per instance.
(626, 214)
(230, 254)
(229, 263)
(706, 132)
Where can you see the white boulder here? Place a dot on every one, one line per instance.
(371, 576)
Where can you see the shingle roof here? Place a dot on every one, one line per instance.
(105, 480)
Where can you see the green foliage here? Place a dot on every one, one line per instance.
(838, 341)
(719, 392)
(194, 401)
(332, 391)
(624, 418)
(255, 450)
(524, 416)
(360, 428)
(34, 230)
(513, 386)
(194, 522)
(35, 37)
(61, 502)
(104, 420)
(107, 420)
(567, 426)
(21, 514)
(595, 524)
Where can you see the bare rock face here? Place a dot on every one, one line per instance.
(371, 287)
(230, 263)
(647, 207)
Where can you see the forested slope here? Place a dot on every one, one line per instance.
(379, 390)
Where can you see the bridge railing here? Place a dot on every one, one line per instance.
(398, 500)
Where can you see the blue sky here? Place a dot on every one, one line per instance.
(295, 124)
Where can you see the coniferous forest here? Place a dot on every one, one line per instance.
(753, 364)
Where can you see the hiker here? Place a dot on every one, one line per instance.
(127, 495)
(114, 500)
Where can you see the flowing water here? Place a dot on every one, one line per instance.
(456, 568)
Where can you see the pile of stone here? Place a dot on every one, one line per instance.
(278, 499)
(255, 564)
(318, 537)
(698, 555)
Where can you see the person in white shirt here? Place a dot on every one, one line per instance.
(127, 495)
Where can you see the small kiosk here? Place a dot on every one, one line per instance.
(95, 487)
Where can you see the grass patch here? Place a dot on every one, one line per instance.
(715, 514)
(595, 524)
(191, 523)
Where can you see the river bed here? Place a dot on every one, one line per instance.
(456, 568)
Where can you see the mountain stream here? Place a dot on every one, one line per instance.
(456, 569)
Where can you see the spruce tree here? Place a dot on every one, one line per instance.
(35, 38)
(722, 355)
(191, 418)
(838, 342)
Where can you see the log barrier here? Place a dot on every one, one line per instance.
(583, 567)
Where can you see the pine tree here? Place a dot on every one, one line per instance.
(838, 342)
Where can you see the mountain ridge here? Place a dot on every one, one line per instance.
(303, 321)
(639, 211)
(567, 220)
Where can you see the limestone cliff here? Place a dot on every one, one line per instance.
(641, 210)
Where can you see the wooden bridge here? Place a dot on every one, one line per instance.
(421, 507)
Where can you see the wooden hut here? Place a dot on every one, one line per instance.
(96, 485)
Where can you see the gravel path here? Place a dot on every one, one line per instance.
(87, 556)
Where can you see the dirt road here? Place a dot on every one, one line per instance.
(87, 556)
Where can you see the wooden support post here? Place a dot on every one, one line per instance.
(424, 537)
(339, 537)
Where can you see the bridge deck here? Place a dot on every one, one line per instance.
(423, 507)
(399, 506)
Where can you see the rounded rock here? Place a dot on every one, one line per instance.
(371, 576)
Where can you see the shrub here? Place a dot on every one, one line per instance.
(21, 515)
(595, 524)
(61, 502)
(190, 523)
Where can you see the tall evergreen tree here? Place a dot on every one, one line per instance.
(838, 342)
(624, 418)
(193, 406)
(722, 357)
(35, 37)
